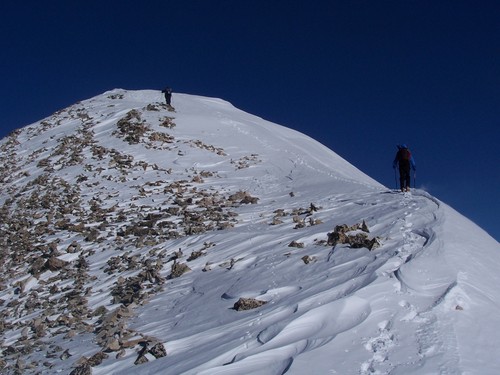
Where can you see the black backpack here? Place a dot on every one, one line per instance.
(404, 154)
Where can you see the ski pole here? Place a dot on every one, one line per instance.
(396, 178)
(414, 179)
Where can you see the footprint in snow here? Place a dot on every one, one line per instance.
(380, 347)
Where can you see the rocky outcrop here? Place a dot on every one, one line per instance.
(243, 197)
(248, 304)
(355, 236)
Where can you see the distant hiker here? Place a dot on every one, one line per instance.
(168, 94)
(405, 161)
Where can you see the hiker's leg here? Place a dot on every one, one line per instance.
(402, 178)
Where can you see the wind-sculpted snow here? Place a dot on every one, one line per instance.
(129, 230)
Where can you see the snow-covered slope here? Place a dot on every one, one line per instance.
(130, 230)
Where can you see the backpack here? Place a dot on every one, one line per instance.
(404, 155)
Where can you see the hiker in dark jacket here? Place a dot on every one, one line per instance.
(405, 161)
(168, 94)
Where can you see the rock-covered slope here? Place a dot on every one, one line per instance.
(132, 233)
(92, 198)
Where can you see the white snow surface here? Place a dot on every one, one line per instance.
(425, 302)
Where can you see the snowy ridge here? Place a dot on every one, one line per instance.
(129, 230)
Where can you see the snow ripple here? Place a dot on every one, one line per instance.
(306, 332)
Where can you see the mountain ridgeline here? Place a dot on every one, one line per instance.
(137, 237)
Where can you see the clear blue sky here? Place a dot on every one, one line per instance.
(358, 76)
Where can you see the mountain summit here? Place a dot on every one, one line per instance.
(139, 238)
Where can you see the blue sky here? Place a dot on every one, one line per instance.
(358, 76)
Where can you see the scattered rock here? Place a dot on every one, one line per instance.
(158, 351)
(355, 236)
(243, 197)
(276, 221)
(113, 346)
(308, 259)
(54, 264)
(141, 359)
(195, 254)
(178, 269)
(65, 355)
(248, 304)
(84, 369)
(299, 245)
(97, 359)
(207, 267)
(74, 247)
